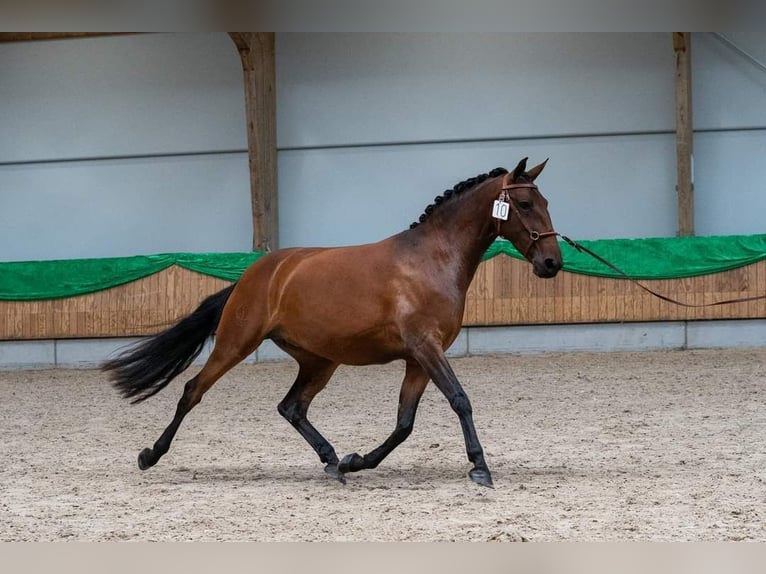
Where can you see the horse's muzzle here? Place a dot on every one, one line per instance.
(546, 267)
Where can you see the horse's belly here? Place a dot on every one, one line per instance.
(371, 346)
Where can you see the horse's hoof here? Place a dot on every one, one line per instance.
(145, 459)
(481, 477)
(332, 470)
(351, 463)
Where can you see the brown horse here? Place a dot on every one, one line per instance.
(400, 298)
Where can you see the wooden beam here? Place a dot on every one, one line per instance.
(256, 50)
(40, 36)
(684, 133)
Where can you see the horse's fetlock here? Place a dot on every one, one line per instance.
(401, 432)
(327, 455)
(370, 463)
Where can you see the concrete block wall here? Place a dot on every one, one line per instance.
(89, 353)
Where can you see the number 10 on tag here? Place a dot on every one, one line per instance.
(500, 210)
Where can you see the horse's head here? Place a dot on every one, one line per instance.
(528, 225)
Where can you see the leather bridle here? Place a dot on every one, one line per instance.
(505, 196)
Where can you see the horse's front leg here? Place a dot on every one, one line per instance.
(435, 363)
(415, 381)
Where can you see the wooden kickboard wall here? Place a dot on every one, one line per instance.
(504, 292)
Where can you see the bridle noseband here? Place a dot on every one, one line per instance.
(505, 196)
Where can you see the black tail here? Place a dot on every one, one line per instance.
(148, 366)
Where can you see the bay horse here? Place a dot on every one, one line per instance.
(401, 298)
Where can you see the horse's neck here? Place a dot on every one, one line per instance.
(457, 236)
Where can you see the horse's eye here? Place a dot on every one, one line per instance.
(525, 205)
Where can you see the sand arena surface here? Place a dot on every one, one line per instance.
(622, 446)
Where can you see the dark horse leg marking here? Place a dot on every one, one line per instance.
(313, 376)
(436, 365)
(214, 369)
(415, 381)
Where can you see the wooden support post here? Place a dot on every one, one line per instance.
(684, 133)
(256, 50)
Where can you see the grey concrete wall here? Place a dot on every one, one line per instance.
(677, 335)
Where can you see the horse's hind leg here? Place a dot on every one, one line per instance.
(216, 366)
(313, 375)
(415, 381)
(242, 327)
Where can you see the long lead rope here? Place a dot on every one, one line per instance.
(535, 236)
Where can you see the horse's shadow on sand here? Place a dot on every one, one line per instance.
(411, 477)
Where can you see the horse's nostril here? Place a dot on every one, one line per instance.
(552, 263)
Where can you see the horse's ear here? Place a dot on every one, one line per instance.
(535, 171)
(520, 169)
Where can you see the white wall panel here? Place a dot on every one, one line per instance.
(125, 207)
(121, 95)
(597, 187)
(728, 91)
(360, 88)
(165, 94)
(730, 183)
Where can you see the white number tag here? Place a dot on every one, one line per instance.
(500, 210)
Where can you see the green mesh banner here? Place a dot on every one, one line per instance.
(661, 258)
(37, 280)
(656, 258)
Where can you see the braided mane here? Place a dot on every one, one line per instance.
(457, 189)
